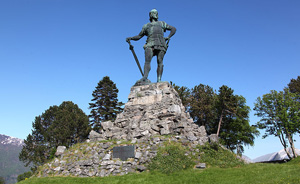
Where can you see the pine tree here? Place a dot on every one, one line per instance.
(224, 113)
(184, 94)
(236, 130)
(226, 104)
(294, 85)
(62, 125)
(202, 104)
(105, 105)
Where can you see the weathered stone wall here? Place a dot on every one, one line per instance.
(96, 158)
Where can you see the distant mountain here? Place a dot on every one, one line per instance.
(7, 140)
(10, 166)
(247, 159)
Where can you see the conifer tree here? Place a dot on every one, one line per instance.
(226, 104)
(224, 113)
(294, 85)
(62, 125)
(105, 105)
(202, 105)
(236, 130)
(184, 94)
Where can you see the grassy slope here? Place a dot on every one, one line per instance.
(252, 173)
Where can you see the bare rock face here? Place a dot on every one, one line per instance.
(153, 109)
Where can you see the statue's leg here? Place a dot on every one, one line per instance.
(148, 58)
(160, 66)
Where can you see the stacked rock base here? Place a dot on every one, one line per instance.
(96, 158)
(154, 109)
(153, 115)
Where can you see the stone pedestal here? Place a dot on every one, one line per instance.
(153, 109)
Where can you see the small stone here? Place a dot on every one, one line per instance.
(102, 173)
(138, 155)
(146, 132)
(213, 138)
(156, 139)
(200, 166)
(133, 141)
(57, 169)
(192, 138)
(60, 150)
(106, 157)
(141, 168)
(175, 109)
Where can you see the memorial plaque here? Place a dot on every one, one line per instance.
(123, 152)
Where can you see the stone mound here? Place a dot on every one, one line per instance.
(153, 115)
(153, 109)
(91, 159)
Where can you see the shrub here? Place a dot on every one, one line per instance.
(24, 176)
(2, 181)
(170, 158)
(215, 155)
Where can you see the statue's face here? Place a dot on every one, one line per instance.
(153, 14)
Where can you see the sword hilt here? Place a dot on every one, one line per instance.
(130, 46)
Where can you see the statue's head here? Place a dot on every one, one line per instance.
(153, 14)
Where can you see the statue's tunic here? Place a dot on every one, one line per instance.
(155, 33)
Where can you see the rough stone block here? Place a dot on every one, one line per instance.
(106, 125)
(60, 150)
(200, 166)
(106, 157)
(213, 138)
(175, 109)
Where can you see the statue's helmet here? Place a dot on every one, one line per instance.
(153, 14)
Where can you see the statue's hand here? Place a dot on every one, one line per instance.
(128, 39)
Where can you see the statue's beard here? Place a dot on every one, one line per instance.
(153, 18)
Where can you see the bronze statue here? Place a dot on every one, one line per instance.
(156, 44)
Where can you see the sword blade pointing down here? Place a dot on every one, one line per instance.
(135, 57)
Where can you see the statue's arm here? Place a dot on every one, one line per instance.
(137, 37)
(172, 30)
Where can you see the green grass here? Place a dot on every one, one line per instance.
(286, 173)
(223, 168)
(171, 158)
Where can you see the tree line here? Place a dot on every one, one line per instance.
(221, 112)
(227, 114)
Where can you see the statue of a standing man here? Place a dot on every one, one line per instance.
(156, 44)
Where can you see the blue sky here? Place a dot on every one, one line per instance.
(57, 50)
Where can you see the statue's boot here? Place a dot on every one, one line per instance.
(147, 68)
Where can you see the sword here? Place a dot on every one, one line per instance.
(135, 57)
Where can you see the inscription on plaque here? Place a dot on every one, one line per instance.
(123, 152)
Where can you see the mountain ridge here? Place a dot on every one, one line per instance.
(10, 165)
(5, 139)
